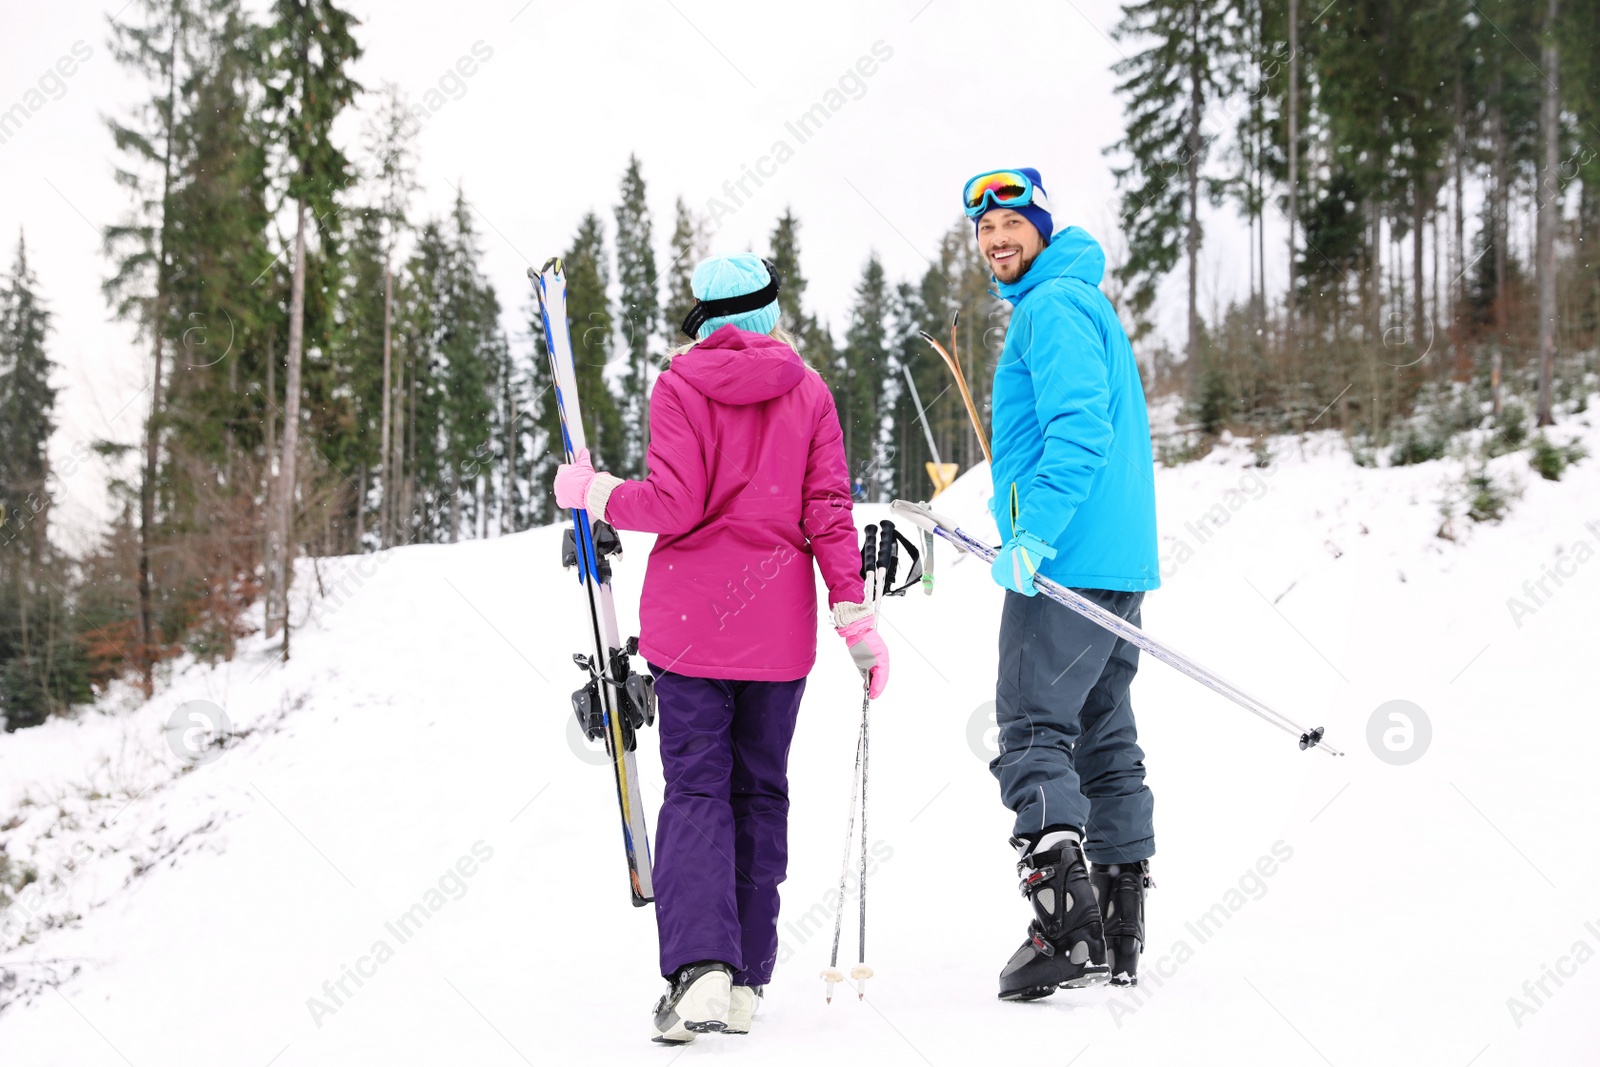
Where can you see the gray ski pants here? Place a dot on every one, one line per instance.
(1069, 752)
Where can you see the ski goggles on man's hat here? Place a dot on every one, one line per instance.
(1001, 188)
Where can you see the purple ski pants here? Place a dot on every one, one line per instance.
(722, 839)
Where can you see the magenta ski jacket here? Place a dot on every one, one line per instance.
(747, 484)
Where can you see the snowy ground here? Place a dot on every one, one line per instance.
(417, 750)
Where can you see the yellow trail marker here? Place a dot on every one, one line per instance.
(943, 475)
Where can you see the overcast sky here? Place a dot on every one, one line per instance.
(541, 131)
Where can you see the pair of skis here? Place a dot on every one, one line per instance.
(615, 701)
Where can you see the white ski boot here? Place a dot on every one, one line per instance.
(696, 1003)
(742, 1008)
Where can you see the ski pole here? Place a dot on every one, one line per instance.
(880, 561)
(881, 582)
(965, 542)
(922, 416)
(861, 972)
(832, 975)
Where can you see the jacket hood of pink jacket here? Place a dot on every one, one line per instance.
(734, 366)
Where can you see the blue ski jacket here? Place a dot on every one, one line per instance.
(1072, 461)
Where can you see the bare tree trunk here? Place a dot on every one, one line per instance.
(147, 494)
(411, 458)
(397, 467)
(1192, 239)
(1419, 317)
(455, 507)
(1501, 236)
(270, 412)
(1294, 198)
(361, 510)
(152, 426)
(385, 501)
(1458, 259)
(282, 562)
(1437, 298)
(1549, 206)
(1375, 316)
(508, 507)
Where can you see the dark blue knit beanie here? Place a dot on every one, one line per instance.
(1038, 215)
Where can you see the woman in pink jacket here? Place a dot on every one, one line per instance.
(747, 485)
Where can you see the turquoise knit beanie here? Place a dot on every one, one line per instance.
(720, 277)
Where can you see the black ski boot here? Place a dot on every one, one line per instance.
(1119, 887)
(1065, 946)
(695, 1003)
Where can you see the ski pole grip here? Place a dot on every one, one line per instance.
(869, 550)
(888, 553)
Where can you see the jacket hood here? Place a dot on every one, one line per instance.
(734, 366)
(1072, 254)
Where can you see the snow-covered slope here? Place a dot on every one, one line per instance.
(417, 750)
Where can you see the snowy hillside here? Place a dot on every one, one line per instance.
(418, 750)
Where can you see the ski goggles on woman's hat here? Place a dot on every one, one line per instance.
(1001, 188)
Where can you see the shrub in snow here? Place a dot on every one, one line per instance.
(1487, 501)
(1551, 459)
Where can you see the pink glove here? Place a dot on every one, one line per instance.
(572, 482)
(870, 653)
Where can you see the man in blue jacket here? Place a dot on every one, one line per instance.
(1074, 496)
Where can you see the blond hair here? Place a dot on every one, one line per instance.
(777, 333)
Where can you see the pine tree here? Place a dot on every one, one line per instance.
(154, 49)
(639, 315)
(454, 357)
(473, 362)
(311, 48)
(41, 668)
(690, 243)
(909, 353)
(388, 141)
(538, 426)
(592, 327)
(1580, 40)
(1167, 88)
(27, 405)
(228, 300)
(864, 369)
(785, 256)
(355, 437)
(816, 339)
(959, 282)
(1548, 198)
(421, 325)
(1393, 126)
